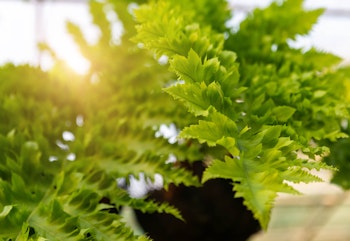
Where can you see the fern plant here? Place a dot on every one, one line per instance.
(56, 188)
(246, 102)
(262, 100)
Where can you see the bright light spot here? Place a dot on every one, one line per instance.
(344, 123)
(78, 64)
(132, 7)
(70, 54)
(71, 157)
(53, 158)
(274, 47)
(79, 120)
(169, 132)
(54, 18)
(138, 187)
(172, 159)
(68, 136)
(116, 25)
(61, 145)
(158, 182)
(121, 182)
(163, 60)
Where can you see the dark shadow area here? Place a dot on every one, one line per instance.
(211, 213)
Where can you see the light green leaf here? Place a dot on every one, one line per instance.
(252, 181)
(6, 210)
(192, 96)
(283, 113)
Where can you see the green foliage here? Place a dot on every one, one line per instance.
(264, 110)
(339, 151)
(53, 188)
(57, 200)
(249, 104)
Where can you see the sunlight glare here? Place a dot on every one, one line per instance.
(78, 64)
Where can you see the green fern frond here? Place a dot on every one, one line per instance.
(259, 124)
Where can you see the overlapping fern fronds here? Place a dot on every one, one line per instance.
(248, 103)
(58, 188)
(263, 102)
